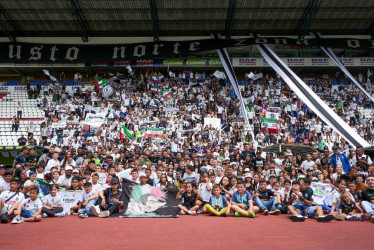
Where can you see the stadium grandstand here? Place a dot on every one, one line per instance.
(171, 108)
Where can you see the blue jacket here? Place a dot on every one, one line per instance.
(345, 162)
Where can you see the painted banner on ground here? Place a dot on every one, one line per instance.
(95, 120)
(215, 122)
(270, 124)
(104, 53)
(148, 201)
(154, 132)
(69, 199)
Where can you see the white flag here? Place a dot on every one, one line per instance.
(219, 74)
(129, 69)
(256, 77)
(46, 72)
(171, 74)
(250, 75)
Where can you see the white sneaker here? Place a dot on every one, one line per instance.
(16, 220)
(62, 214)
(103, 214)
(95, 210)
(193, 213)
(44, 215)
(182, 212)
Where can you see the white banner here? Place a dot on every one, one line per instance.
(102, 178)
(59, 124)
(322, 193)
(272, 115)
(95, 120)
(215, 122)
(69, 199)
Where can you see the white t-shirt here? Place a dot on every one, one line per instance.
(52, 163)
(125, 174)
(63, 180)
(307, 165)
(85, 196)
(32, 206)
(52, 200)
(193, 177)
(204, 192)
(15, 199)
(4, 185)
(28, 183)
(97, 188)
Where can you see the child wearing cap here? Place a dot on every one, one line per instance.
(9, 199)
(110, 200)
(29, 210)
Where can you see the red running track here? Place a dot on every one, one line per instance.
(186, 232)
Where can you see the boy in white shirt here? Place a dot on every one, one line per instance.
(54, 162)
(30, 183)
(88, 199)
(96, 186)
(9, 199)
(29, 210)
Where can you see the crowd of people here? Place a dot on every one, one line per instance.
(219, 169)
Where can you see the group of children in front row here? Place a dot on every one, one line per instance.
(14, 205)
(109, 200)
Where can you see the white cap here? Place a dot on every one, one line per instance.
(249, 175)
(68, 168)
(76, 171)
(246, 170)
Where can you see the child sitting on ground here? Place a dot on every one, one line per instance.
(242, 203)
(348, 208)
(88, 199)
(218, 204)
(29, 209)
(52, 203)
(9, 200)
(189, 197)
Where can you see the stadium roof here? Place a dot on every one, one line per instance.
(113, 18)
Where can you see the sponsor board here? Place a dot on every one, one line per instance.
(305, 62)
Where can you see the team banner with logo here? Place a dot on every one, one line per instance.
(98, 54)
(148, 201)
(69, 199)
(322, 193)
